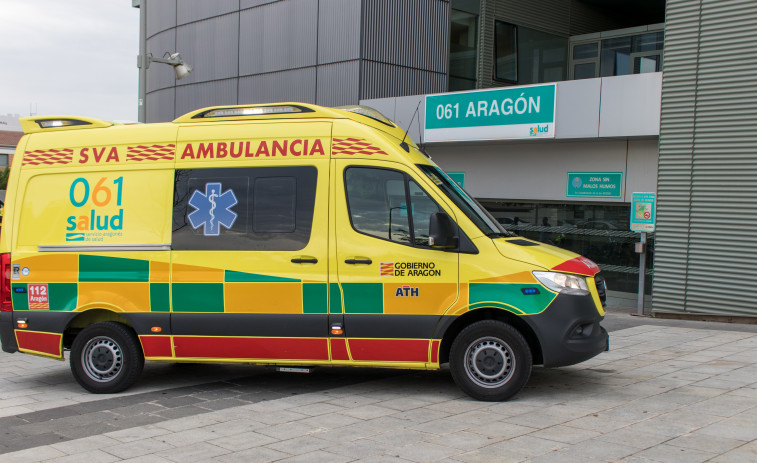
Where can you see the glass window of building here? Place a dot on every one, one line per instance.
(528, 56)
(617, 55)
(463, 50)
(600, 232)
(585, 58)
(505, 51)
(634, 54)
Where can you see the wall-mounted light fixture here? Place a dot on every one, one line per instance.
(180, 68)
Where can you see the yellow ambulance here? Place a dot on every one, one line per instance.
(280, 234)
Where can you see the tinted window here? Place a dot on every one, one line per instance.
(422, 207)
(378, 205)
(275, 200)
(253, 208)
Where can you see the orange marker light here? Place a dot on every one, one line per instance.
(337, 331)
(22, 325)
(156, 329)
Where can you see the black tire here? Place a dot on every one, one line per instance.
(106, 358)
(490, 360)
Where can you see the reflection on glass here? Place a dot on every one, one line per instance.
(584, 71)
(505, 51)
(585, 50)
(377, 204)
(422, 207)
(598, 231)
(462, 50)
(633, 54)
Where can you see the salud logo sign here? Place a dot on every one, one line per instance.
(496, 114)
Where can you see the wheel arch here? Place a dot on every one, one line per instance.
(490, 313)
(90, 317)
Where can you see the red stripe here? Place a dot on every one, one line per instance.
(435, 351)
(156, 346)
(48, 343)
(339, 349)
(251, 348)
(390, 350)
(580, 265)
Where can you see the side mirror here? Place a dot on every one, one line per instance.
(441, 231)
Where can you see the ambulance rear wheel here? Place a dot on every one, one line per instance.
(490, 360)
(106, 358)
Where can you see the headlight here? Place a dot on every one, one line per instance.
(563, 283)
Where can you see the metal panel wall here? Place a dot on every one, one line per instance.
(294, 85)
(338, 30)
(707, 214)
(215, 93)
(381, 80)
(254, 3)
(195, 10)
(161, 15)
(278, 36)
(160, 75)
(338, 84)
(411, 34)
(630, 105)
(577, 108)
(160, 105)
(211, 47)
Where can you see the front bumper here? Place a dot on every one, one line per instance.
(7, 335)
(569, 331)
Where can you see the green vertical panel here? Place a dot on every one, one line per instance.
(335, 298)
(314, 298)
(20, 300)
(363, 297)
(159, 297)
(63, 296)
(197, 297)
(113, 269)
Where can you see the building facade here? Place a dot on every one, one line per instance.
(654, 96)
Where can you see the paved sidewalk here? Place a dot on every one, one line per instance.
(662, 394)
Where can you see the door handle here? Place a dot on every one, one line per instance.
(358, 261)
(304, 260)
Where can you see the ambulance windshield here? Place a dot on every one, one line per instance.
(470, 207)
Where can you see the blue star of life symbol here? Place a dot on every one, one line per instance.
(212, 209)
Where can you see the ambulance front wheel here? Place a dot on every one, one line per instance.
(490, 360)
(106, 358)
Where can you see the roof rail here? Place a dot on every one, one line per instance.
(36, 124)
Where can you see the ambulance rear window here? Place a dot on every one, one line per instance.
(250, 208)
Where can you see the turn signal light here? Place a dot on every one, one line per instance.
(156, 329)
(22, 324)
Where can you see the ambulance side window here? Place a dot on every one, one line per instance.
(377, 203)
(377, 200)
(422, 207)
(249, 208)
